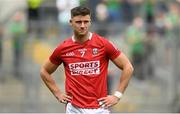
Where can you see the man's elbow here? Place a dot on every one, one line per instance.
(130, 68)
(42, 73)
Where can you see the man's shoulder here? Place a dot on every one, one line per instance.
(97, 36)
(65, 43)
(100, 38)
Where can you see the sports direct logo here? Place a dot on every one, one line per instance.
(85, 68)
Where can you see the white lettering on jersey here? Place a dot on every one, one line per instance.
(82, 51)
(85, 68)
(70, 54)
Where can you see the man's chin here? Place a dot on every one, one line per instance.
(82, 33)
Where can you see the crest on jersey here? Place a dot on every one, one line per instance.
(95, 51)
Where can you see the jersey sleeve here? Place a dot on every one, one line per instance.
(111, 50)
(55, 56)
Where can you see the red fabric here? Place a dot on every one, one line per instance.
(85, 68)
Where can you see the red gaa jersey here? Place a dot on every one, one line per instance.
(86, 67)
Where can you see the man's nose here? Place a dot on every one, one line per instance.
(82, 24)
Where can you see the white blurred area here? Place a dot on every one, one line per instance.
(148, 31)
(8, 6)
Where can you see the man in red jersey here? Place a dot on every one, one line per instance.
(85, 57)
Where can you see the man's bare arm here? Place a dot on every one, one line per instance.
(123, 63)
(127, 70)
(47, 69)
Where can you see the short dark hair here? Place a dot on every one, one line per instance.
(80, 10)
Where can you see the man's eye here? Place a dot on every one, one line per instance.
(86, 22)
(78, 22)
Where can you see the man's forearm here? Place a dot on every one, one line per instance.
(50, 83)
(125, 77)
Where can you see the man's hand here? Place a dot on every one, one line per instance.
(63, 98)
(108, 101)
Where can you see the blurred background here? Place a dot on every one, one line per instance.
(147, 31)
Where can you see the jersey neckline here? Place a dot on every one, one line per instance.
(90, 37)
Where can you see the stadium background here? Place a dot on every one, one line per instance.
(148, 31)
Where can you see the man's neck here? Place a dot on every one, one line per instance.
(81, 38)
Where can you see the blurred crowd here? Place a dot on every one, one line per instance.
(147, 31)
(140, 22)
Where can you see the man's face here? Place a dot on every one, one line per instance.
(81, 24)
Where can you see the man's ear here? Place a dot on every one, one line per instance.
(70, 22)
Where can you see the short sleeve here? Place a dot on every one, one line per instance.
(111, 50)
(55, 56)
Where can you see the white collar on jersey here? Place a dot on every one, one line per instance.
(90, 36)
